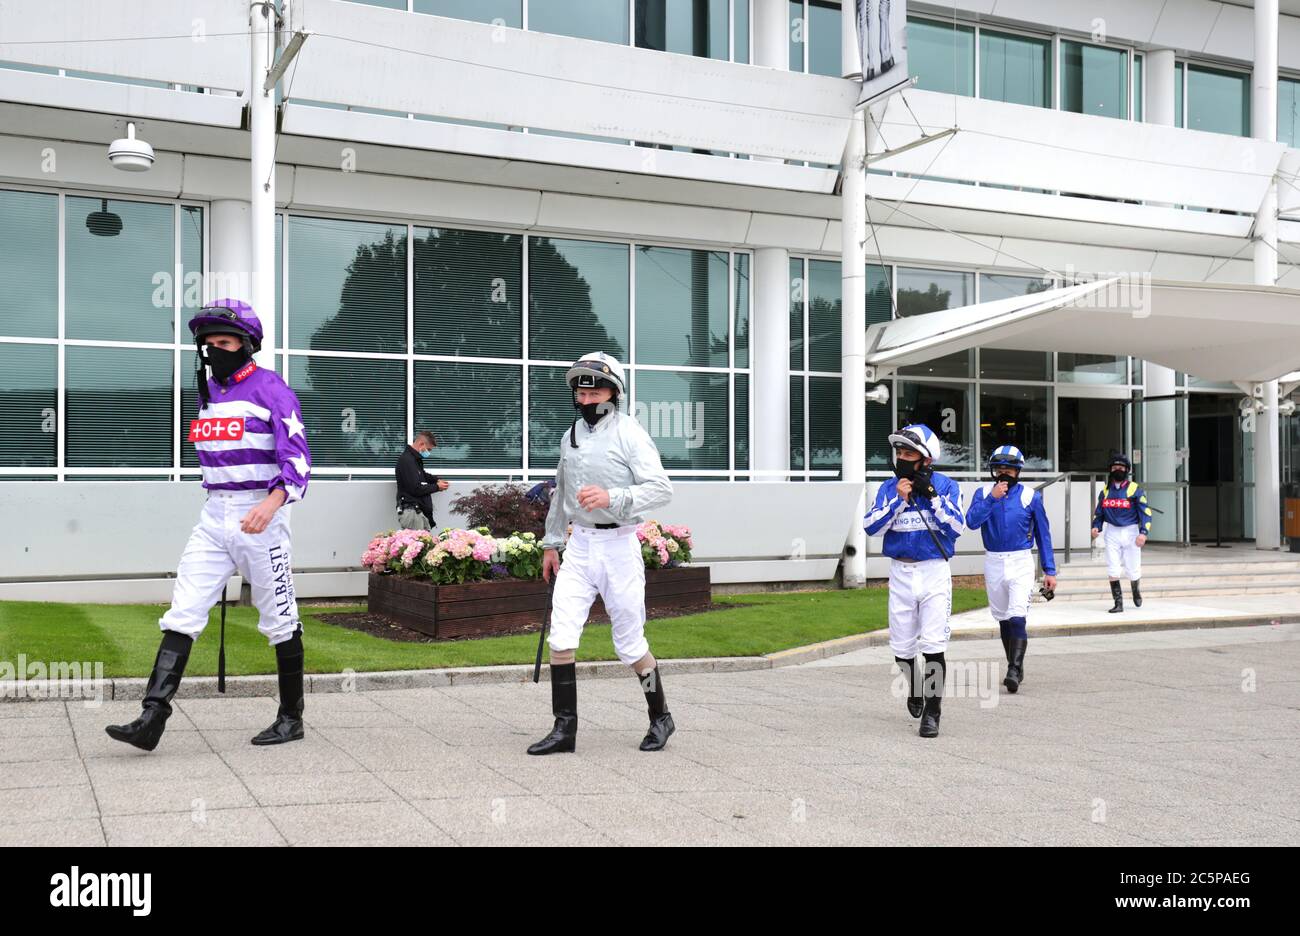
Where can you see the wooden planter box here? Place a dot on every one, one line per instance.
(484, 609)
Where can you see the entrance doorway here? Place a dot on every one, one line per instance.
(1091, 431)
(1221, 505)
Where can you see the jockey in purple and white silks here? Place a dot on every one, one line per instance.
(252, 447)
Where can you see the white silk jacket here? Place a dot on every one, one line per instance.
(617, 455)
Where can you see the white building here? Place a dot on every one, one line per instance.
(449, 201)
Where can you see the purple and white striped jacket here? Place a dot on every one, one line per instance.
(250, 437)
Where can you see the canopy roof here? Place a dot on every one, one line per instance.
(1216, 332)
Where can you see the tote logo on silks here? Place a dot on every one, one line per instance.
(1121, 503)
(212, 430)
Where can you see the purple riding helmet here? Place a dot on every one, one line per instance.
(223, 317)
(228, 317)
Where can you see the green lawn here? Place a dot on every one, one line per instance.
(125, 637)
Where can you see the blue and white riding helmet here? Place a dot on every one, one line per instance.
(1007, 456)
(918, 438)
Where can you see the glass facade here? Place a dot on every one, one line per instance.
(708, 28)
(1016, 69)
(1094, 79)
(1288, 112)
(89, 381)
(1218, 101)
(942, 56)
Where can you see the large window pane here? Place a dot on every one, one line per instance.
(454, 400)
(798, 290)
(740, 17)
(191, 297)
(1218, 101)
(1091, 368)
(942, 56)
(28, 397)
(741, 395)
(577, 299)
(29, 264)
(1179, 116)
(797, 31)
(347, 285)
(1139, 86)
(1015, 69)
(468, 293)
(824, 424)
(880, 303)
(510, 12)
(605, 20)
(1288, 112)
(1013, 365)
(824, 38)
(1019, 416)
(550, 414)
(691, 27)
(354, 409)
(686, 415)
(117, 255)
(1094, 80)
(825, 315)
(796, 423)
(681, 307)
(946, 409)
(740, 320)
(922, 291)
(119, 407)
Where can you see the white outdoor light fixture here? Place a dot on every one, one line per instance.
(130, 154)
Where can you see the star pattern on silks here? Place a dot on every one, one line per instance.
(300, 465)
(294, 426)
(295, 493)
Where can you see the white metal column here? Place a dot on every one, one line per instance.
(771, 41)
(853, 330)
(1263, 119)
(230, 253)
(771, 363)
(261, 118)
(1159, 423)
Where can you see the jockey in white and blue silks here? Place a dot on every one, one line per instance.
(1011, 519)
(919, 511)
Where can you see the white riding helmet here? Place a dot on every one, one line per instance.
(917, 437)
(592, 369)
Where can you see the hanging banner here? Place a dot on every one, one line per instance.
(882, 42)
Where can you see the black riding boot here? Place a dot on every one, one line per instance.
(1137, 594)
(288, 723)
(168, 668)
(1015, 663)
(661, 720)
(914, 701)
(564, 704)
(932, 691)
(1117, 592)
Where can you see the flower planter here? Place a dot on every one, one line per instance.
(484, 609)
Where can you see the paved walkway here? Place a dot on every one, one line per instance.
(1062, 616)
(1170, 737)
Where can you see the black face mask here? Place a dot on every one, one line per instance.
(593, 413)
(224, 363)
(904, 469)
(1119, 476)
(1010, 479)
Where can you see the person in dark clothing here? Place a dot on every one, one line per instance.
(415, 486)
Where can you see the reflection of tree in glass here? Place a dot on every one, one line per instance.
(915, 302)
(468, 293)
(563, 324)
(359, 410)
